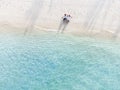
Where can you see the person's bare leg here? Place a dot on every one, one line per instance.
(64, 27)
(60, 26)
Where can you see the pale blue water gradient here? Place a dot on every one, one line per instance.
(51, 61)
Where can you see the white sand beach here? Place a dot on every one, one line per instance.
(95, 17)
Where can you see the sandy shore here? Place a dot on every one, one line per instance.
(11, 29)
(102, 16)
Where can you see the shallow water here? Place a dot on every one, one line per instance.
(58, 62)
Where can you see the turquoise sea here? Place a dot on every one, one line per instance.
(50, 61)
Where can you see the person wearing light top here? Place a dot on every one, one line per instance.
(64, 17)
(68, 18)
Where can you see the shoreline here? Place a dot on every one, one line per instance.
(106, 35)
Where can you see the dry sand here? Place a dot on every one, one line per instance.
(46, 14)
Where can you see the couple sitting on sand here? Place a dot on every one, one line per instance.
(65, 20)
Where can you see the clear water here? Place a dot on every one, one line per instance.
(58, 62)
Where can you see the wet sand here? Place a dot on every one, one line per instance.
(79, 32)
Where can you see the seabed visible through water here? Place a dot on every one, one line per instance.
(50, 61)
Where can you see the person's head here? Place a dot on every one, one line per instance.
(65, 14)
(69, 16)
